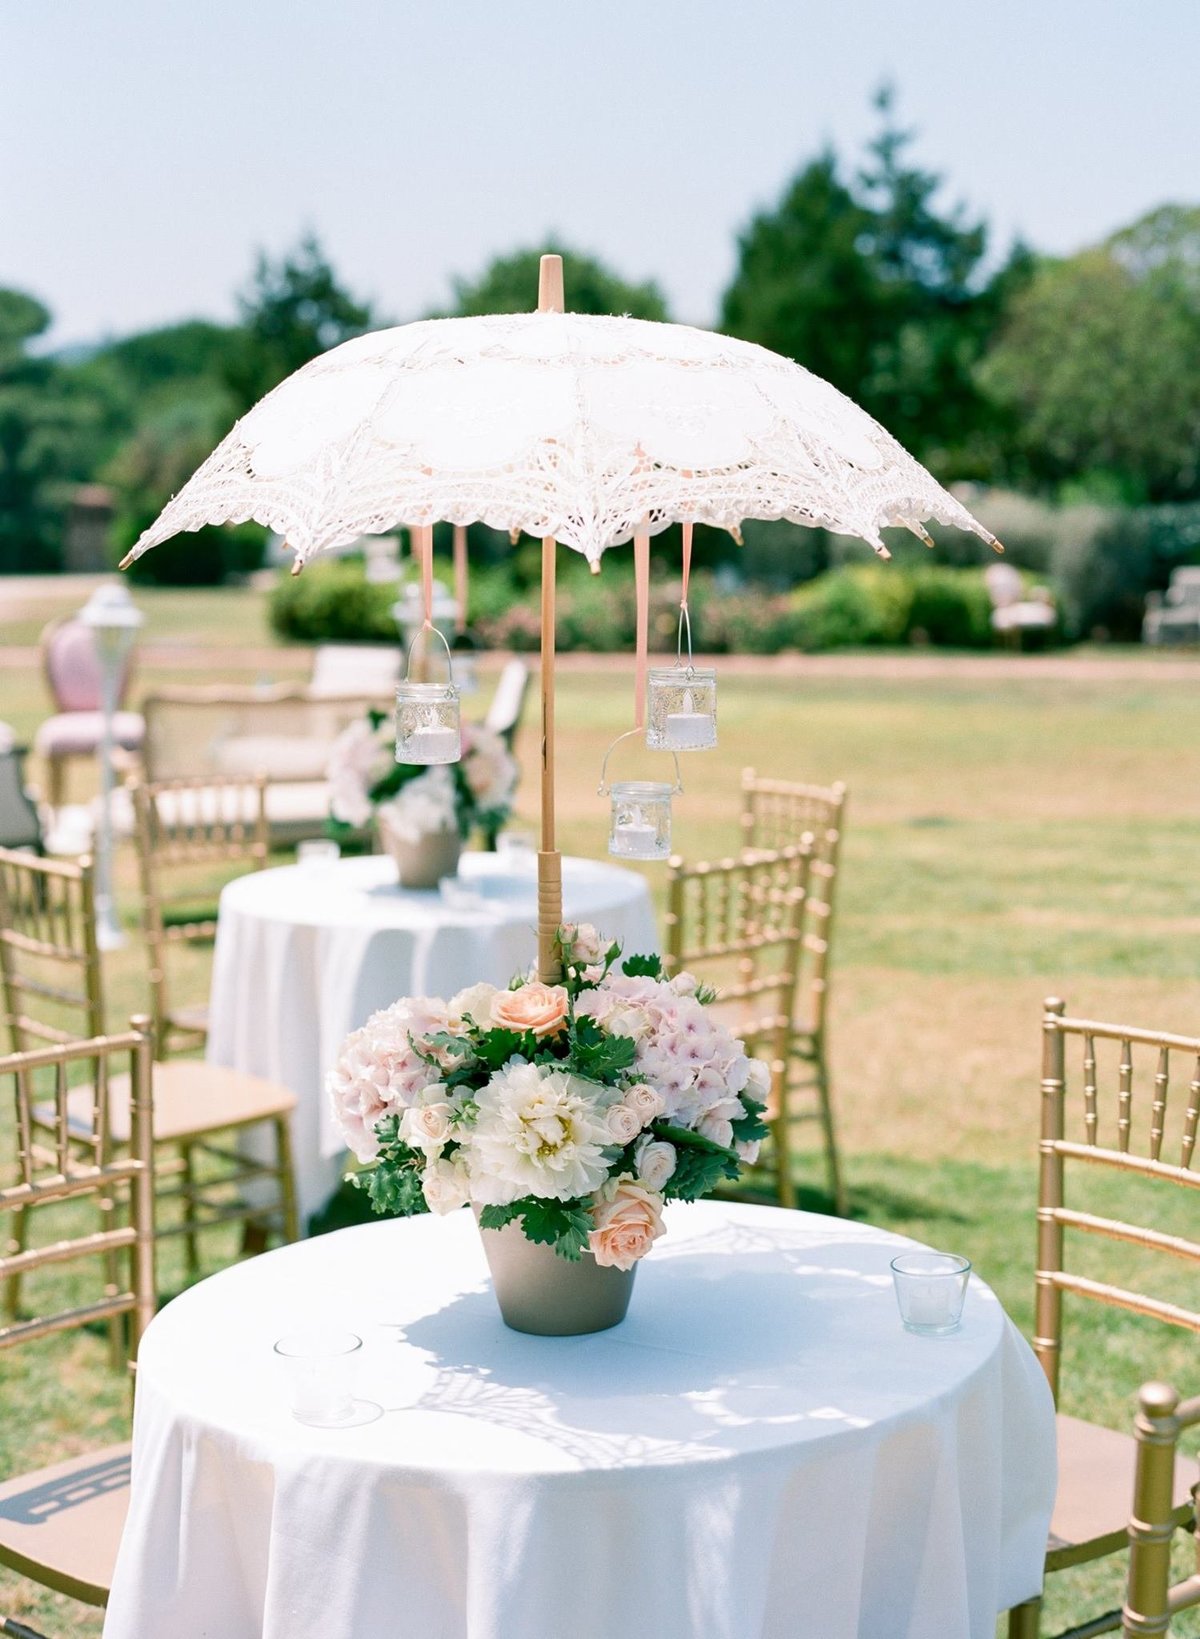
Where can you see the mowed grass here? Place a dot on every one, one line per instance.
(1004, 842)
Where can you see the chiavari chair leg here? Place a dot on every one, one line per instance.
(188, 1197)
(833, 1160)
(1025, 1621)
(20, 1243)
(287, 1178)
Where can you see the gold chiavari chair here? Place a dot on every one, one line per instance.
(1150, 1600)
(46, 929)
(60, 1526)
(184, 828)
(1096, 1464)
(776, 813)
(738, 925)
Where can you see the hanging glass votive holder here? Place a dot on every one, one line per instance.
(681, 704)
(640, 812)
(428, 721)
(681, 708)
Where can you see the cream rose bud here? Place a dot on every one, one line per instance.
(627, 1220)
(624, 1123)
(586, 944)
(685, 984)
(426, 1126)
(655, 1160)
(477, 1001)
(758, 1080)
(747, 1151)
(445, 1186)
(646, 1102)
(537, 1007)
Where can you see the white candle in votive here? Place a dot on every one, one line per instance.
(932, 1302)
(689, 730)
(433, 745)
(634, 838)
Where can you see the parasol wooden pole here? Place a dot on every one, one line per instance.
(460, 577)
(550, 300)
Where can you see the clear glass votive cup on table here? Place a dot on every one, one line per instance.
(320, 1367)
(516, 847)
(318, 853)
(931, 1288)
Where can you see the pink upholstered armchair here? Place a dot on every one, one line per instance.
(72, 672)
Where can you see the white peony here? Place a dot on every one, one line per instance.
(446, 1184)
(422, 805)
(537, 1132)
(655, 1161)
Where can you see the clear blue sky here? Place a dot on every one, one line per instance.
(148, 149)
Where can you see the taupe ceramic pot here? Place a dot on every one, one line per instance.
(540, 1292)
(423, 863)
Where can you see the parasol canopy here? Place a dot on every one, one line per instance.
(584, 428)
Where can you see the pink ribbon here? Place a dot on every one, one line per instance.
(641, 577)
(460, 576)
(687, 562)
(425, 545)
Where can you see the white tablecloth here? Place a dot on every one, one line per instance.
(759, 1452)
(305, 954)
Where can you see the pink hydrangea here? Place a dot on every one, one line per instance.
(378, 1073)
(690, 1058)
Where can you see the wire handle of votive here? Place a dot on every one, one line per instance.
(604, 789)
(433, 631)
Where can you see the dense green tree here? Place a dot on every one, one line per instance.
(293, 310)
(52, 426)
(509, 284)
(869, 283)
(1098, 364)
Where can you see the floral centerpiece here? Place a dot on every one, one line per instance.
(423, 814)
(573, 1111)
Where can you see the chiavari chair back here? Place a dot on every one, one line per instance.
(61, 1525)
(1150, 1599)
(737, 924)
(185, 830)
(1118, 1141)
(49, 961)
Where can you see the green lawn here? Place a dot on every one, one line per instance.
(1005, 842)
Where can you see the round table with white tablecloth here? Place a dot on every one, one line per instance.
(307, 953)
(759, 1451)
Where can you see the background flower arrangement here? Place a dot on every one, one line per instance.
(576, 1110)
(366, 782)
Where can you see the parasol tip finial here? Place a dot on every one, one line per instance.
(594, 565)
(551, 298)
(736, 534)
(126, 561)
(996, 546)
(514, 535)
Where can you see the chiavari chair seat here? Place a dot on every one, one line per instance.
(60, 1525)
(191, 1099)
(1152, 1147)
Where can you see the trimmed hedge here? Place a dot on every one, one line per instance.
(864, 605)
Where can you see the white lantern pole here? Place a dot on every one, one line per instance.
(114, 620)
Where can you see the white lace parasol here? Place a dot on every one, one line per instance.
(555, 424)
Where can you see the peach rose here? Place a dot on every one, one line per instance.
(537, 1007)
(628, 1220)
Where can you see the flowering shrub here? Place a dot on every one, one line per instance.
(574, 1109)
(365, 779)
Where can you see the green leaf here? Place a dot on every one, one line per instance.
(699, 1171)
(638, 967)
(495, 1047)
(495, 1217)
(392, 1191)
(748, 1128)
(564, 1225)
(595, 1054)
(459, 1046)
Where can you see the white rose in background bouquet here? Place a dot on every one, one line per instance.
(575, 1109)
(365, 780)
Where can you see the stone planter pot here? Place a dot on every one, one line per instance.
(540, 1292)
(423, 863)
